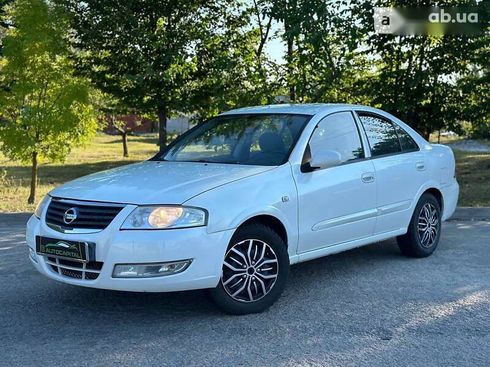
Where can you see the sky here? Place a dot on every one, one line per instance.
(276, 48)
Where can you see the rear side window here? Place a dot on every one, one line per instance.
(406, 141)
(381, 135)
(338, 132)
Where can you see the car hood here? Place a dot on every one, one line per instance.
(154, 182)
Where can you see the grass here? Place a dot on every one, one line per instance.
(103, 153)
(473, 175)
(473, 171)
(444, 139)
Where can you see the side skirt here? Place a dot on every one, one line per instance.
(334, 249)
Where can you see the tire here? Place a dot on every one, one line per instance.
(257, 261)
(424, 230)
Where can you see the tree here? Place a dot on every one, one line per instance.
(332, 54)
(45, 109)
(232, 70)
(322, 58)
(474, 94)
(417, 78)
(114, 114)
(144, 52)
(287, 12)
(123, 127)
(327, 61)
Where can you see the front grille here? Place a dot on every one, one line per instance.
(76, 270)
(89, 215)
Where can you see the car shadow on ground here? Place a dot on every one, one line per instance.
(197, 303)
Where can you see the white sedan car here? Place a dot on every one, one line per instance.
(236, 200)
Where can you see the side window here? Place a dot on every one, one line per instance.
(338, 132)
(381, 135)
(407, 142)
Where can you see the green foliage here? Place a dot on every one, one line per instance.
(420, 78)
(321, 63)
(164, 57)
(232, 74)
(333, 55)
(45, 108)
(474, 86)
(4, 25)
(137, 51)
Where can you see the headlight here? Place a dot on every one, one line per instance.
(40, 206)
(165, 217)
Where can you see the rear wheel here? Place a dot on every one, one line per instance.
(424, 230)
(255, 271)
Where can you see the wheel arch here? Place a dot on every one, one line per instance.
(429, 188)
(270, 221)
(438, 195)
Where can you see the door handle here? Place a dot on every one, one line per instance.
(420, 166)
(367, 177)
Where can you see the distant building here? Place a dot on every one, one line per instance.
(178, 124)
(139, 125)
(281, 99)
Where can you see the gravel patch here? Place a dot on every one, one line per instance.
(470, 146)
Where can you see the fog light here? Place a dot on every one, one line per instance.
(149, 270)
(32, 255)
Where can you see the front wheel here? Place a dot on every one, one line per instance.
(255, 271)
(424, 230)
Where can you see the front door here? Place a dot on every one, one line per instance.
(336, 204)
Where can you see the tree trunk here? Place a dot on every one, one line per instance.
(32, 196)
(292, 91)
(125, 144)
(153, 126)
(289, 58)
(162, 127)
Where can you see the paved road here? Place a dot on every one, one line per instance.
(366, 307)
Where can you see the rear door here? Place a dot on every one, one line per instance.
(400, 170)
(336, 204)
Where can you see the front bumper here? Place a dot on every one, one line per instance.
(114, 246)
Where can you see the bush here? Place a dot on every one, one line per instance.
(479, 131)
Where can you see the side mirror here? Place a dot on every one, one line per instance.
(321, 159)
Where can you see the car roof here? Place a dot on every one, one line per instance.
(303, 108)
(313, 109)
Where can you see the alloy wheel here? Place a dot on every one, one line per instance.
(250, 270)
(428, 225)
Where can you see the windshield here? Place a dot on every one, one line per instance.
(253, 139)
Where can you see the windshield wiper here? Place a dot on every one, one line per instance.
(217, 162)
(202, 161)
